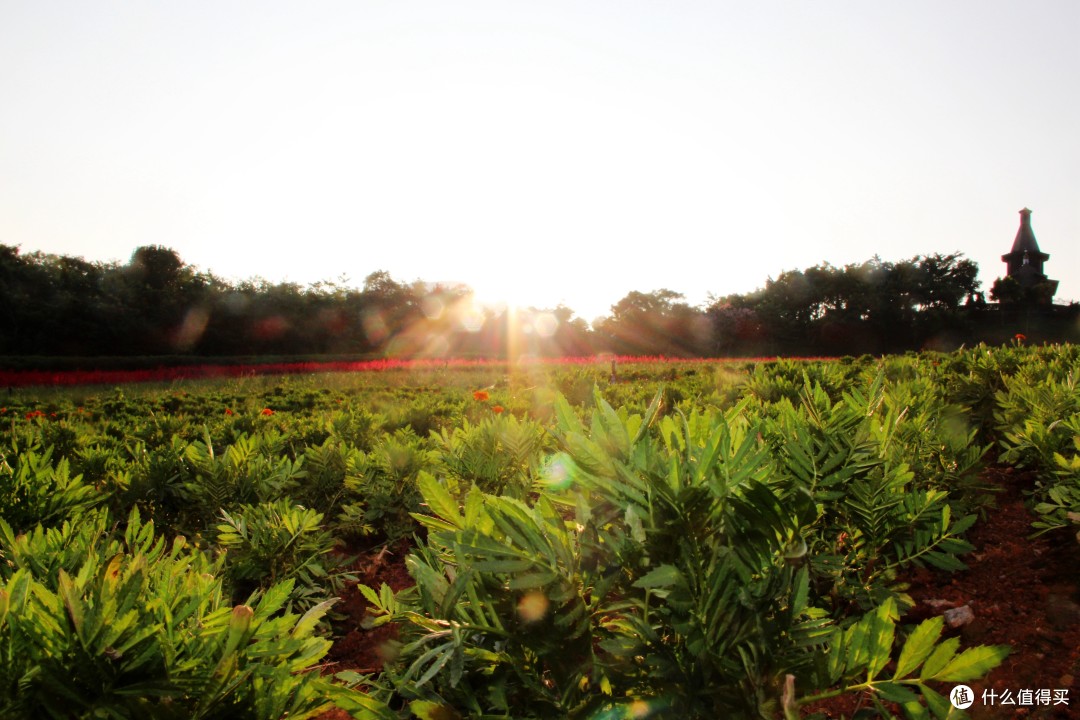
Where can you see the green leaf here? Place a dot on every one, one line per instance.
(880, 640)
(369, 594)
(535, 579)
(443, 653)
(426, 710)
(918, 647)
(944, 561)
(938, 703)
(306, 624)
(973, 663)
(504, 566)
(71, 599)
(439, 499)
(650, 416)
(567, 419)
(941, 656)
(801, 592)
(275, 598)
(663, 576)
(894, 692)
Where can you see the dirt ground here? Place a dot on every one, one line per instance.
(1023, 592)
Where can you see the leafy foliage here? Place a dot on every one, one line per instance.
(683, 556)
(665, 566)
(270, 543)
(876, 515)
(858, 658)
(34, 489)
(500, 454)
(1039, 421)
(141, 629)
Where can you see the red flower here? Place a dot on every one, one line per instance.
(228, 411)
(497, 409)
(34, 414)
(480, 395)
(1020, 337)
(266, 411)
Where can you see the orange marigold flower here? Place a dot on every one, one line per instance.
(266, 411)
(480, 395)
(497, 409)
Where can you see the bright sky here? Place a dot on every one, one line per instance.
(541, 152)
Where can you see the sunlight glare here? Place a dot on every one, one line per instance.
(433, 307)
(504, 293)
(472, 318)
(545, 324)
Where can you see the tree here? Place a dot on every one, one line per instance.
(655, 324)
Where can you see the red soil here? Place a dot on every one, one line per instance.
(1024, 593)
(360, 647)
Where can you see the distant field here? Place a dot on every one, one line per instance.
(61, 377)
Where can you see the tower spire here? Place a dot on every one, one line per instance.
(1025, 260)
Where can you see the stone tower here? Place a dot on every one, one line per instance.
(1025, 261)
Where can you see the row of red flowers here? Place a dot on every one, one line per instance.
(26, 378)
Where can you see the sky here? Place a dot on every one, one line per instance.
(541, 152)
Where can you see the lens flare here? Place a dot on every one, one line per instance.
(545, 324)
(633, 710)
(374, 326)
(533, 606)
(472, 320)
(558, 472)
(432, 307)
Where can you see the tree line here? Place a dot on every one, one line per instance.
(156, 304)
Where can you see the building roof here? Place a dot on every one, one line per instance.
(1025, 236)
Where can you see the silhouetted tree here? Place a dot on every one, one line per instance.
(654, 323)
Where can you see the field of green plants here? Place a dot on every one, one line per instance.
(674, 539)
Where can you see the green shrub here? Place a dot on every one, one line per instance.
(387, 483)
(875, 513)
(659, 575)
(35, 489)
(499, 454)
(142, 630)
(272, 542)
(250, 470)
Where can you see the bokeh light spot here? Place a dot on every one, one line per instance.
(472, 320)
(558, 472)
(533, 606)
(546, 324)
